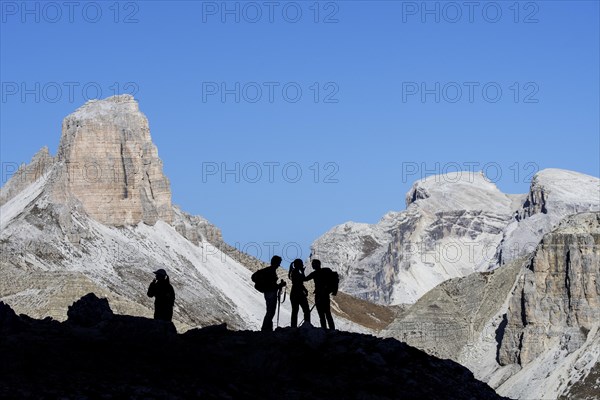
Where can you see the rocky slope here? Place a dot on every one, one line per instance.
(454, 224)
(98, 354)
(40, 165)
(98, 217)
(530, 328)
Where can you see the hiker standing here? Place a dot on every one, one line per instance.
(266, 282)
(298, 294)
(325, 283)
(164, 296)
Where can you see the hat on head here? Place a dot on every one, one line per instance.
(160, 272)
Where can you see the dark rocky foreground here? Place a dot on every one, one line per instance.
(96, 354)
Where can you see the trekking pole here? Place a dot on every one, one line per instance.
(278, 305)
(279, 301)
(312, 308)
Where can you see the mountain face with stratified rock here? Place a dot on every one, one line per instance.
(454, 224)
(98, 217)
(507, 285)
(98, 354)
(530, 328)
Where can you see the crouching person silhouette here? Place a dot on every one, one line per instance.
(164, 296)
(298, 294)
(265, 281)
(325, 283)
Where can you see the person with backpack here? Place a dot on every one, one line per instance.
(265, 281)
(164, 296)
(326, 283)
(298, 294)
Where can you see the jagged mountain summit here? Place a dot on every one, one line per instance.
(98, 217)
(96, 354)
(531, 328)
(454, 224)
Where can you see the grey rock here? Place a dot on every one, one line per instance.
(454, 224)
(89, 311)
(111, 165)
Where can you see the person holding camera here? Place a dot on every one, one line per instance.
(164, 296)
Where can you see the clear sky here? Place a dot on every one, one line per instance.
(359, 97)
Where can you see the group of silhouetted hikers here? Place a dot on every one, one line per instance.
(326, 283)
(266, 281)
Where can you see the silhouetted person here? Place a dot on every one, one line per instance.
(164, 296)
(271, 289)
(299, 294)
(322, 291)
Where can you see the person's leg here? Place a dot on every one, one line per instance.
(321, 311)
(327, 310)
(295, 307)
(271, 300)
(305, 308)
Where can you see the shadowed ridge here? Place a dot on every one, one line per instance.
(119, 355)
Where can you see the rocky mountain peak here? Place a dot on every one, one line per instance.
(562, 192)
(466, 190)
(40, 165)
(110, 164)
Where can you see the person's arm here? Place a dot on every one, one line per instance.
(152, 289)
(310, 276)
(172, 294)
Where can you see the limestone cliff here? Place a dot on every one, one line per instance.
(529, 328)
(557, 299)
(110, 164)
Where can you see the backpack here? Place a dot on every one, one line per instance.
(332, 280)
(261, 280)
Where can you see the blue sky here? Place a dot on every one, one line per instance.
(390, 92)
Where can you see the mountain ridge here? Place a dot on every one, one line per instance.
(453, 225)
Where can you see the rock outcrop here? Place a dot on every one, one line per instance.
(135, 357)
(40, 166)
(553, 195)
(450, 228)
(454, 224)
(529, 328)
(557, 298)
(110, 164)
(89, 311)
(448, 319)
